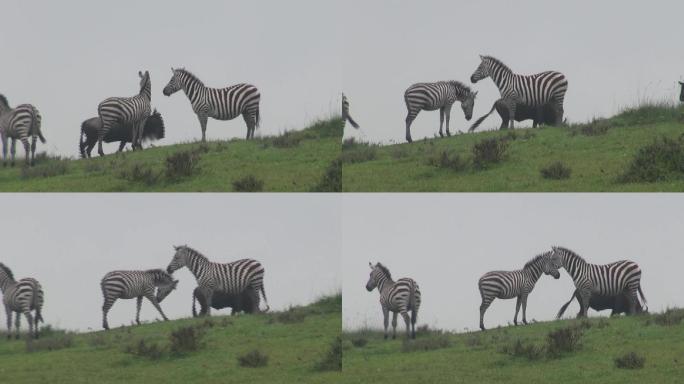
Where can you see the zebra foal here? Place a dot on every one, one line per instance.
(22, 297)
(399, 297)
(18, 124)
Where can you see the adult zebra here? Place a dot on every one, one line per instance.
(21, 296)
(531, 90)
(218, 103)
(399, 297)
(232, 278)
(612, 279)
(19, 123)
(135, 284)
(518, 284)
(128, 112)
(345, 113)
(440, 95)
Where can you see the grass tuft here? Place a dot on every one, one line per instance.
(448, 159)
(186, 339)
(145, 349)
(630, 360)
(331, 181)
(489, 151)
(248, 183)
(662, 160)
(185, 163)
(332, 361)
(556, 171)
(429, 343)
(253, 359)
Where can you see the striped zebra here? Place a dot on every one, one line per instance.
(400, 297)
(440, 95)
(218, 103)
(19, 123)
(345, 113)
(21, 296)
(232, 278)
(135, 284)
(531, 90)
(620, 277)
(128, 112)
(518, 284)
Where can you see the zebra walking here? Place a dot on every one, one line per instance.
(19, 123)
(235, 278)
(531, 90)
(135, 284)
(128, 112)
(22, 297)
(620, 277)
(518, 284)
(440, 95)
(218, 103)
(345, 113)
(400, 297)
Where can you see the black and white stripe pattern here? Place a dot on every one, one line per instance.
(135, 284)
(22, 297)
(620, 277)
(19, 123)
(232, 278)
(128, 112)
(399, 297)
(345, 113)
(218, 103)
(518, 284)
(440, 95)
(532, 90)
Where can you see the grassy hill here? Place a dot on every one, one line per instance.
(581, 352)
(297, 345)
(602, 155)
(293, 161)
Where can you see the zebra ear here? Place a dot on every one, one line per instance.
(175, 247)
(140, 74)
(481, 57)
(370, 265)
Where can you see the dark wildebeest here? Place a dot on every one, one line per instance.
(153, 130)
(619, 304)
(221, 300)
(541, 115)
(681, 95)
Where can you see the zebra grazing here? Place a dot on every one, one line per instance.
(135, 284)
(153, 130)
(220, 300)
(531, 90)
(618, 304)
(541, 114)
(345, 113)
(19, 123)
(606, 280)
(218, 103)
(245, 275)
(21, 296)
(681, 94)
(402, 296)
(518, 284)
(128, 112)
(440, 95)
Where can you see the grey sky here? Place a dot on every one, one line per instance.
(447, 241)
(614, 53)
(73, 54)
(68, 242)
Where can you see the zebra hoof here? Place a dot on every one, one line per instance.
(441, 134)
(448, 134)
(409, 140)
(385, 337)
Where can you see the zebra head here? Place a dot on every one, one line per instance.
(379, 273)
(145, 85)
(556, 257)
(174, 84)
(551, 265)
(681, 95)
(179, 259)
(165, 289)
(467, 105)
(483, 71)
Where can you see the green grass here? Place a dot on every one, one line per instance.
(486, 357)
(597, 152)
(294, 351)
(293, 161)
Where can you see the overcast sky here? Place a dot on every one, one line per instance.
(75, 53)
(447, 241)
(613, 52)
(69, 242)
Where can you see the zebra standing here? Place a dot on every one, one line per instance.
(440, 95)
(129, 112)
(531, 90)
(21, 296)
(399, 297)
(606, 280)
(232, 278)
(345, 113)
(135, 284)
(218, 103)
(19, 123)
(518, 284)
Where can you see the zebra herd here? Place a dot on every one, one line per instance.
(609, 286)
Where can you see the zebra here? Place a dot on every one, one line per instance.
(518, 284)
(19, 123)
(232, 278)
(681, 94)
(440, 95)
(153, 130)
(218, 103)
(129, 112)
(400, 297)
(345, 113)
(135, 284)
(21, 296)
(612, 279)
(618, 304)
(531, 90)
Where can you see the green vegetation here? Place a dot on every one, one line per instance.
(219, 349)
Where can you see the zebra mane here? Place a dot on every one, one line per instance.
(570, 252)
(194, 252)
(6, 269)
(190, 75)
(3, 100)
(535, 260)
(160, 274)
(384, 270)
(466, 89)
(497, 62)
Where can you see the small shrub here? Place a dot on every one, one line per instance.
(447, 159)
(291, 315)
(186, 339)
(359, 341)
(331, 181)
(184, 163)
(564, 340)
(524, 349)
(52, 343)
(145, 349)
(140, 173)
(489, 151)
(556, 171)
(253, 359)
(360, 153)
(595, 127)
(54, 167)
(248, 183)
(426, 344)
(661, 160)
(288, 139)
(332, 361)
(630, 360)
(670, 317)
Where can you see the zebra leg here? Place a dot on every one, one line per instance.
(385, 315)
(251, 125)
(409, 120)
(203, 124)
(105, 308)
(483, 309)
(407, 321)
(524, 308)
(153, 299)
(8, 311)
(33, 150)
(17, 322)
(394, 325)
(99, 145)
(4, 150)
(27, 150)
(138, 305)
(518, 301)
(122, 144)
(584, 303)
(447, 115)
(13, 150)
(441, 121)
(29, 320)
(633, 300)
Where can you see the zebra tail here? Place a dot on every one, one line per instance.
(37, 305)
(481, 119)
(643, 298)
(352, 122)
(263, 293)
(194, 311)
(35, 125)
(258, 118)
(412, 303)
(565, 306)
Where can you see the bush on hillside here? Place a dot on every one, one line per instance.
(556, 171)
(661, 160)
